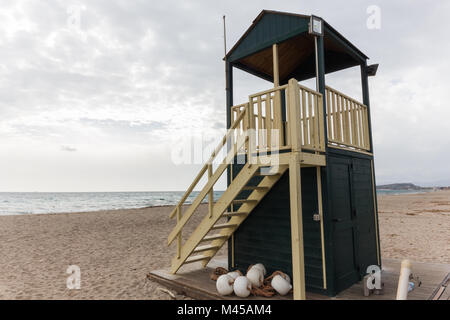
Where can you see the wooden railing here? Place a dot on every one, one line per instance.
(212, 177)
(347, 122)
(266, 118)
(311, 119)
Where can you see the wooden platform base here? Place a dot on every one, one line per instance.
(193, 281)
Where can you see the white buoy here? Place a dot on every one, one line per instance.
(224, 285)
(256, 277)
(286, 277)
(261, 267)
(403, 281)
(242, 287)
(281, 285)
(234, 274)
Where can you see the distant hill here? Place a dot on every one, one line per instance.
(400, 186)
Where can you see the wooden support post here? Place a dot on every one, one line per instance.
(276, 70)
(298, 258)
(277, 114)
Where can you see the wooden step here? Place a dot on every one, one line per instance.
(223, 226)
(266, 174)
(206, 248)
(252, 188)
(214, 237)
(234, 214)
(241, 201)
(271, 172)
(196, 259)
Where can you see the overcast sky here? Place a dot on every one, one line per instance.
(97, 107)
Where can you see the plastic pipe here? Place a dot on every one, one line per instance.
(403, 281)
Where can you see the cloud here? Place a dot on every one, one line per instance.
(138, 75)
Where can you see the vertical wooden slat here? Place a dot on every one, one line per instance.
(211, 192)
(288, 123)
(353, 123)
(304, 119)
(358, 121)
(339, 119)
(328, 92)
(268, 121)
(310, 122)
(345, 120)
(179, 234)
(251, 140)
(334, 97)
(341, 116)
(277, 118)
(260, 123)
(316, 122)
(363, 137)
(321, 123)
(232, 121)
(366, 126)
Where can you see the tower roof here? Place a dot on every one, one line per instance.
(253, 51)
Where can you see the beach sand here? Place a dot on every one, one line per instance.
(115, 250)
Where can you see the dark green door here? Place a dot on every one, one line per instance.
(364, 208)
(344, 226)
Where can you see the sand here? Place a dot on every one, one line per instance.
(116, 249)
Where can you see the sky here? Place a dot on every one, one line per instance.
(94, 95)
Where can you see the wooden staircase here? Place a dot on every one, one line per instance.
(256, 134)
(212, 233)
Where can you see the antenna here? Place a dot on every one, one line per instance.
(224, 35)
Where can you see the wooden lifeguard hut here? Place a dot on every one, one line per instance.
(299, 161)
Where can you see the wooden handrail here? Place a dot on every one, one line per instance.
(205, 167)
(269, 91)
(211, 182)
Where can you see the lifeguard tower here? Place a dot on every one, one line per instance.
(299, 161)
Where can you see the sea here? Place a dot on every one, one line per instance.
(24, 203)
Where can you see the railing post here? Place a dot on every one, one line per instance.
(211, 192)
(294, 116)
(250, 131)
(179, 234)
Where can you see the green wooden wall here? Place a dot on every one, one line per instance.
(349, 221)
(265, 236)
